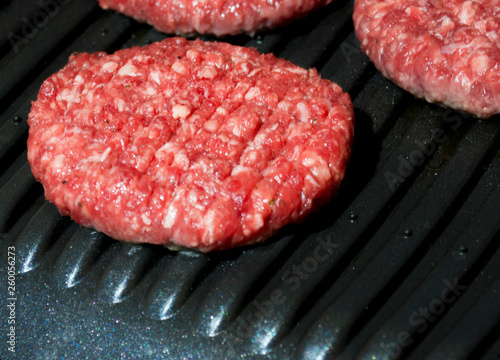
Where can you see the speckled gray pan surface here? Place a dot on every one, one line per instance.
(402, 264)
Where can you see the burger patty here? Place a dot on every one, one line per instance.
(447, 52)
(188, 143)
(217, 17)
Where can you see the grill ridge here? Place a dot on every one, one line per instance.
(239, 286)
(124, 272)
(170, 291)
(79, 257)
(43, 230)
(490, 254)
(17, 193)
(448, 242)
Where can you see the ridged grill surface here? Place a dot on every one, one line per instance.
(402, 264)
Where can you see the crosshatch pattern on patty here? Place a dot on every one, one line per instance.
(189, 143)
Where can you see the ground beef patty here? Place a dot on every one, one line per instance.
(218, 17)
(188, 143)
(447, 52)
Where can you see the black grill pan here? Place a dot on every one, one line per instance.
(402, 264)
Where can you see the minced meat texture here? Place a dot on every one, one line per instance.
(447, 52)
(217, 17)
(188, 143)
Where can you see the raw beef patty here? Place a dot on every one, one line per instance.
(218, 17)
(447, 52)
(188, 143)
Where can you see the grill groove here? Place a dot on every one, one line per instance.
(174, 285)
(79, 257)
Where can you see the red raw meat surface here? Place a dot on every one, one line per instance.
(217, 17)
(188, 143)
(447, 52)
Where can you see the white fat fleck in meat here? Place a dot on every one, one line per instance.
(222, 111)
(110, 66)
(155, 77)
(256, 222)
(238, 169)
(193, 55)
(480, 63)
(170, 216)
(90, 96)
(139, 58)
(224, 137)
(296, 153)
(105, 154)
(50, 136)
(193, 199)
(180, 68)
(234, 127)
(305, 115)
(211, 125)
(301, 129)
(466, 14)
(493, 36)
(404, 77)
(252, 93)
(128, 70)
(187, 130)
(78, 80)
(58, 161)
(260, 139)
(120, 104)
(244, 67)
(69, 95)
(208, 225)
(208, 72)
(471, 46)
(319, 167)
(297, 70)
(234, 142)
(150, 91)
(215, 59)
(284, 105)
(181, 160)
(451, 48)
(167, 148)
(251, 155)
(464, 81)
(255, 72)
(310, 179)
(447, 24)
(180, 111)
(146, 220)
